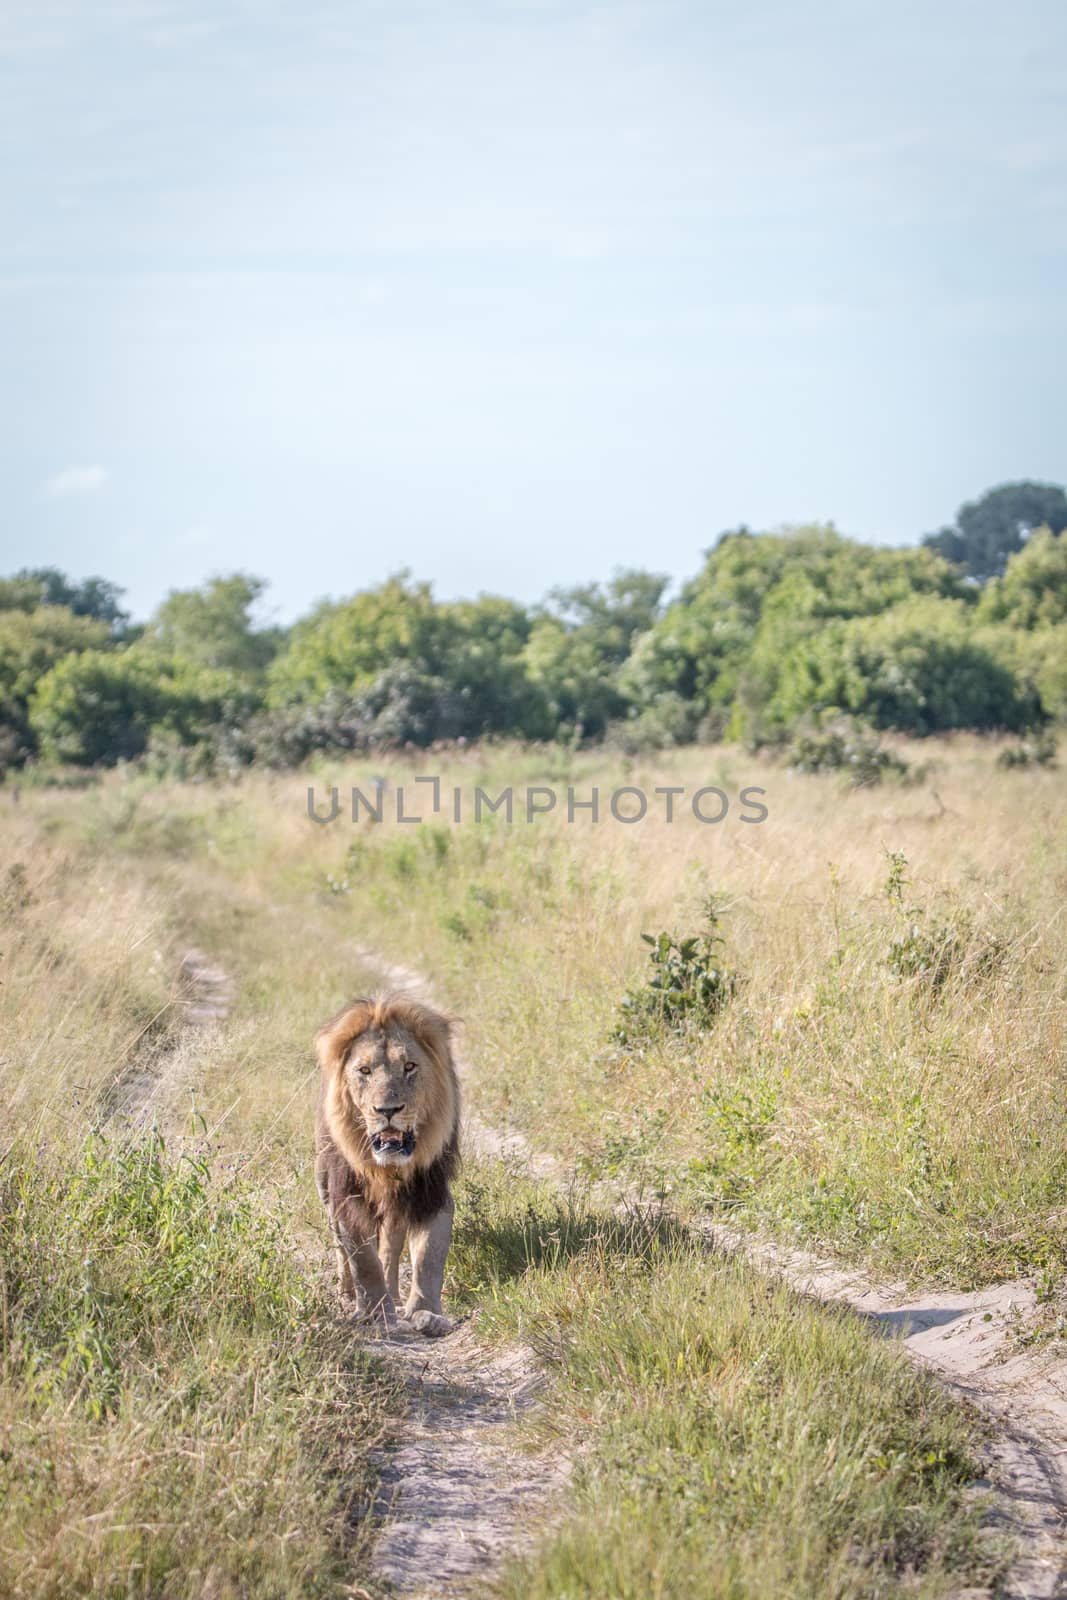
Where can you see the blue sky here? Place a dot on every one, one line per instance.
(514, 293)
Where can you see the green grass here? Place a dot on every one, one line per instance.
(728, 1437)
(180, 1411)
(883, 1077)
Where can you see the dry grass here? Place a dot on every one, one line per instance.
(915, 1121)
(728, 1436)
(911, 1115)
(180, 1411)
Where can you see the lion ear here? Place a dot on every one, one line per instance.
(326, 1052)
(435, 1034)
(335, 1037)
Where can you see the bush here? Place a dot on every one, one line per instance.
(844, 744)
(917, 668)
(725, 639)
(1033, 591)
(689, 986)
(98, 708)
(31, 644)
(1042, 661)
(1040, 751)
(930, 949)
(668, 722)
(401, 707)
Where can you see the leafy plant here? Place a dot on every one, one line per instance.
(847, 745)
(1038, 751)
(689, 986)
(931, 948)
(741, 1120)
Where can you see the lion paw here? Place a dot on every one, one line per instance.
(431, 1324)
(381, 1316)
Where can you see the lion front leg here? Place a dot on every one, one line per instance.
(392, 1236)
(345, 1286)
(373, 1301)
(429, 1253)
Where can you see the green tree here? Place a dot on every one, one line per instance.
(47, 586)
(213, 626)
(612, 615)
(1045, 664)
(31, 643)
(343, 646)
(100, 707)
(581, 640)
(721, 645)
(568, 669)
(480, 657)
(989, 530)
(918, 667)
(1033, 591)
(399, 667)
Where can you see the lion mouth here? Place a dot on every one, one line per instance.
(392, 1143)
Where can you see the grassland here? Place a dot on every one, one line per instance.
(181, 1410)
(886, 1079)
(729, 1437)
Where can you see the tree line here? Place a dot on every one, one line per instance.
(966, 630)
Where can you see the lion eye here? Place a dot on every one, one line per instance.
(364, 1072)
(409, 1066)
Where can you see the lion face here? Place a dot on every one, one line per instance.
(390, 1093)
(385, 1072)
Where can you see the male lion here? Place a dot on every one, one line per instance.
(386, 1150)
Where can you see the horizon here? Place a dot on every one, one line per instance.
(261, 607)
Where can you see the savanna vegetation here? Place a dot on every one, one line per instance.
(847, 1029)
(779, 942)
(776, 634)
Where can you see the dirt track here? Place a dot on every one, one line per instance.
(458, 1496)
(145, 1089)
(970, 1340)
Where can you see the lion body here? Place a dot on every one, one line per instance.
(386, 1151)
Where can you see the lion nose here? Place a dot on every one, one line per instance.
(388, 1111)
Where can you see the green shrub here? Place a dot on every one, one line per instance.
(917, 667)
(100, 707)
(931, 948)
(689, 986)
(1039, 751)
(31, 644)
(844, 744)
(1033, 591)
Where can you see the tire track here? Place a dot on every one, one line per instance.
(969, 1340)
(457, 1497)
(147, 1086)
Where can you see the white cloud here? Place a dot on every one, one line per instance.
(76, 480)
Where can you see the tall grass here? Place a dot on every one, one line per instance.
(886, 1075)
(883, 1075)
(727, 1437)
(181, 1412)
